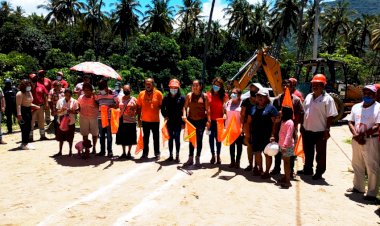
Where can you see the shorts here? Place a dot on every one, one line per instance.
(88, 126)
(289, 152)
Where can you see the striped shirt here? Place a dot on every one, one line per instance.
(107, 100)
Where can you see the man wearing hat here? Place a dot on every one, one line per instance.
(60, 79)
(10, 92)
(364, 125)
(40, 95)
(319, 112)
(293, 89)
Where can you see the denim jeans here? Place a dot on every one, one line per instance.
(200, 128)
(174, 133)
(103, 133)
(214, 137)
(239, 146)
(155, 128)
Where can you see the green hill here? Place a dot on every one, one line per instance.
(371, 7)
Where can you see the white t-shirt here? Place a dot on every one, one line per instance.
(317, 111)
(365, 118)
(71, 104)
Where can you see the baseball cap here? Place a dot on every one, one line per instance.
(263, 92)
(371, 88)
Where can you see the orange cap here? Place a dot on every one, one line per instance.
(174, 83)
(319, 78)
(377, 86)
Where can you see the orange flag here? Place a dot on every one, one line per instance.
(220, 128)
(165, 133)
(140, 142)
(287, 101)
(232, 132)
(190, 133)
(298, 150)
(104, 115)
(115, 117)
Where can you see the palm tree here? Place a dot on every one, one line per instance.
(358, 33)
(126, 21)
(375, 37)
(284, 20)
(189, 15)
(336, 22)
(239, 13)
(159, 17)
(259, 32)
(306, 33)
(94, 21)
(53, 16)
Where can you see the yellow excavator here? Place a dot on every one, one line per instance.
(271, 66)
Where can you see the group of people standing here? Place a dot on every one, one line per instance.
(260, 122)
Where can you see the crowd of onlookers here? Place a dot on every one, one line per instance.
(260, 121)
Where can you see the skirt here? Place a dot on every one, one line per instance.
(66, 135)
(126, 134)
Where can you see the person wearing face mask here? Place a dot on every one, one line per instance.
(172, 106)
(246, 107)
(60, 79)
(88, 112)
(10, 92)
(233, 108)
(105, 97)
(126, 134)
(216, 98)
(149, 104)
(24, 99)
(117, 89)
(320, 111)
(40, 95)
(364, 123)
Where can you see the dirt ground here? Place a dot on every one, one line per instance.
(39, 189)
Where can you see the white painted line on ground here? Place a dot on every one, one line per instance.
(148, 203)
(103, 190)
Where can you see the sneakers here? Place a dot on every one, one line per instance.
(177, 158)
(317, 176)
(110, 155)
(169, 159)
(189, 162)
(197, 161)
(27, 147)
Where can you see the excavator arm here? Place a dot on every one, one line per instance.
(271, 68)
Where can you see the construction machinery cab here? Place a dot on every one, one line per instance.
(339, 84)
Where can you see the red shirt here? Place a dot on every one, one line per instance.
(64, 84)
(46, 83)
(299, 94)
(216, 105)
(39, 93)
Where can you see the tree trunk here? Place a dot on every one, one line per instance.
(300, 31)
(207, 38)
(316, 25)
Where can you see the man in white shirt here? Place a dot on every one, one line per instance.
(364, 125)
(320, 110)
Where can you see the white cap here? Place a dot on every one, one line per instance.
(263, 92)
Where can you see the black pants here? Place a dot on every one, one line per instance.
(155, 128)
(239, 146)
(200, 128)
(314, 142)
(174, 133)
(25, 124)
(277, 162)
(9, 112)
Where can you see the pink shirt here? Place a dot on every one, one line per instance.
(88, 107)
(232, 110)
(286, 134)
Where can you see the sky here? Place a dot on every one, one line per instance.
(30, 6)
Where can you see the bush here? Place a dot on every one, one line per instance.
(55, 58)
(189, 70)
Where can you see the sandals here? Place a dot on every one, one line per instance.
(354, 190)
